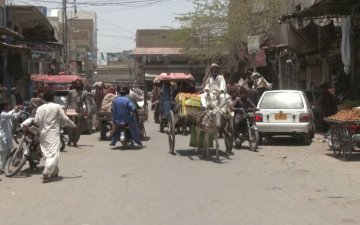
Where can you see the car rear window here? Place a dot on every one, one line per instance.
(281, 100)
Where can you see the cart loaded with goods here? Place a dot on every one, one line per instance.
(344, 134)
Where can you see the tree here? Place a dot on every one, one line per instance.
(217, 30)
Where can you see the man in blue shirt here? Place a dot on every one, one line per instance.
(123, 111)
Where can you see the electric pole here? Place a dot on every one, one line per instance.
(65, 37)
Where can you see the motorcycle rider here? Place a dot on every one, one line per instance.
(123, 111)
(238, 103)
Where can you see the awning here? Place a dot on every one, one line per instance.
(312, 38)
(325, 8)
(7, 31)
(173, 77)
(20, 48)
(55, 78)
(157, 51)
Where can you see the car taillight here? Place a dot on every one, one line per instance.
(258, 117)
(304, 117)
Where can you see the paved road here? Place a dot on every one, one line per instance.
(283, 183)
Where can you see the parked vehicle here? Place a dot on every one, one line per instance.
(285, 112)
(28, 149)
(251, 134)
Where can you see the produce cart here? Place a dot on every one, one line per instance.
(344, 133)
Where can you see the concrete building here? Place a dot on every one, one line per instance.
(82, 40)
(157, 53)
(116, 67)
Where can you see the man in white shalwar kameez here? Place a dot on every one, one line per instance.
(6, 141)
(49, 117)
(215, 90)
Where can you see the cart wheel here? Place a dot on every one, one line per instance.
(334, 139)
(229, 135)
(346, 143)
(171, 133)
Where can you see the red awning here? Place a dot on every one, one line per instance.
(173, 77)
(157, 51)
(55, 78)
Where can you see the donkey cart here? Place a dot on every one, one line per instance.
(188, 109)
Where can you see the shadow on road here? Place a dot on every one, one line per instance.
(60, 178)
(355, 156)
(191, 153)
(283, 141)
(132, 148)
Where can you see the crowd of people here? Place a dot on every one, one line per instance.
(122, 103)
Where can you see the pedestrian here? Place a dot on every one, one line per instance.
(165, 99)
(252, 93)
(12, 97)
(155, 100)
(6, 143)
(91, 106)
(75, 101)
(123, 111)
(326, 103)
(49, 117)
(107, 100)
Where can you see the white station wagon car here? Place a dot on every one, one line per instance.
(285, 112)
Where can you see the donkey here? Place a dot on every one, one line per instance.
(209, 123)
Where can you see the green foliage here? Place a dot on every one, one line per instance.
(352, 103)
(218, 27)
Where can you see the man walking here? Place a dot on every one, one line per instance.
(49, 117)
(75, 100)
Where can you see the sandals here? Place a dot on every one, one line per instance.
(46, 178)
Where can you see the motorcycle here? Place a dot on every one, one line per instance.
(125, 135)
(251, 134)
(28, 149)
(24, 115)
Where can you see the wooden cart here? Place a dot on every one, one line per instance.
(344, 137)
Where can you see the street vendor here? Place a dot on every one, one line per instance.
(75, 100)
(215, 90)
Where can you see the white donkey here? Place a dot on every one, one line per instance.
(209, 124)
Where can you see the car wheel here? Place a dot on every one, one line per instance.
(260, 138)
(312, 133)
(306, 138)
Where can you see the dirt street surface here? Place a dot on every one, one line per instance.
(283, 183)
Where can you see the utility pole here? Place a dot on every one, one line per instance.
(65, 37)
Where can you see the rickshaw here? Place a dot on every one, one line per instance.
(170, 78)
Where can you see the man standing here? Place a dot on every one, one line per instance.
(252, 93)
(49, 117)
(75, 101)
(215, 90)
(91, 106)
(123, 111)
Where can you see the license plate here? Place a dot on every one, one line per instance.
(280, 116)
